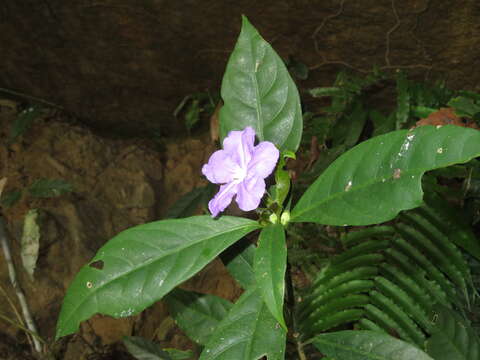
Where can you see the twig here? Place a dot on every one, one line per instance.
(325, 20)
(31, 98)
(34, 335)
(412, 30)
(389, 32)
(13, 279)
(388, 65)
(12, 305)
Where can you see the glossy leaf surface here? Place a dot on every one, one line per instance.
(197, 314)
(143, 349)
(365, 345)
(239, 262)
(142, 264)
(375, 180)
(269, 267)
(452, 338)
(249, 332)
(258, 91)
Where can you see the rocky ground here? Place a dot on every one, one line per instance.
(116, 184)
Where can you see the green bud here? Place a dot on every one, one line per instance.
(273, 218)
(285, 218)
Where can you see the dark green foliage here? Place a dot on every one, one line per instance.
(23, 122)
(10, 198)
(195, 106)
(389, 278)
(452, 337)
(189, 203)
(143, 349)
(197, 314)
(47, 188)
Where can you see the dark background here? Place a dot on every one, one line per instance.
(123, 66)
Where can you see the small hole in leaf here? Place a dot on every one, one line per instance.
(97, 264)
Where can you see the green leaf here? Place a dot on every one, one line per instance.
(326, 91)
(47, 188)
(269, 266)
(190, 202)
(142, 264)
(197, 314)
(452, 338)
(464, 107)
(382, 124)
(24, 121)
(239, 262)
(10, 198)
(247, 333)
(354, 123)
(192, 116)
(143, 349)
(364, 345)
(257, 91)
(375, 180)
(176, 354)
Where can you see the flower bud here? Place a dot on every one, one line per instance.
(285, 218)
(273, 218)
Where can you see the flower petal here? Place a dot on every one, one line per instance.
(222, 199)
(220, 168)
(239, 146)
(249, 193)
(264, 158)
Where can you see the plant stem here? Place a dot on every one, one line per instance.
(20, 326)
(291, 301)
(31, 98)
(13, 279)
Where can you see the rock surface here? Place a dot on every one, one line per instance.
(117, 184)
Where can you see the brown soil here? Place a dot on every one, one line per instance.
(117, 184)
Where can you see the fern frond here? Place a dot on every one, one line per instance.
(412, 331)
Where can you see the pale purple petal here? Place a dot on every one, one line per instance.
(264, 158)
(222, 199)
(249, 193)
(220, 168)
(239, 145)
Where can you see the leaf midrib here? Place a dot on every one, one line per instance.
(409, 172)
(93, 293)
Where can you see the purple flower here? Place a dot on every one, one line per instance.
(241, 168)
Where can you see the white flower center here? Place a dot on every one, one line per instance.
(239, 174)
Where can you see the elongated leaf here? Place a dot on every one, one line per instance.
(47, 188)
(452, 338)
(464, 106)
(190, 202)
(10, 198)
(143, 349)
(269, 267)
(258, 91)
(364, 345)
(239, 261)
(378, 178)
(197, 314)
(247, 333)
(142, 264)
(176, 354)
(24, 121)
(30, 241)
